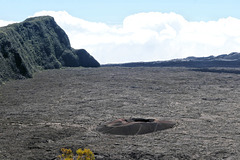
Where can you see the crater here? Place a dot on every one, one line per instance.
(134, 126)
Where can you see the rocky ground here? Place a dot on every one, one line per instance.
(62, 108)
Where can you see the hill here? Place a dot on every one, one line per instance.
(226, 60)
(37, 43)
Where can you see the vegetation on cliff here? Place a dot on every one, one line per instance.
(37, 43)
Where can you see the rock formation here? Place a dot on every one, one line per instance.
(37, 43)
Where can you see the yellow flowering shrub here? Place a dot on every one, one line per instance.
(85, 154)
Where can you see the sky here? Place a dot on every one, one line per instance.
(119, 31)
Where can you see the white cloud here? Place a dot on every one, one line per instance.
(5, 23)
(150, 36)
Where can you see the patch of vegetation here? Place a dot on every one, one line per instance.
(85, 154)
(37, 43)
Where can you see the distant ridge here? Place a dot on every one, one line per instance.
(37, 43)
(225, 60)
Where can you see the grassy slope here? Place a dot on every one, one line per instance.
(37, 43)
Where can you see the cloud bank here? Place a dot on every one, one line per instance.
(5, 23)
(150, 36)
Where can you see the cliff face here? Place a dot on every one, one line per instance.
(37, 43)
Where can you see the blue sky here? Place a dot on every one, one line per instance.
(118, 31)
(114, 11)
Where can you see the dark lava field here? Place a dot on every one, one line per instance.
(63, 108)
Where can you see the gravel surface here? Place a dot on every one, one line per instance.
(62, 108)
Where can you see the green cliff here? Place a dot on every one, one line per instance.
(37, 43)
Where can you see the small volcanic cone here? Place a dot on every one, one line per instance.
(134, 126)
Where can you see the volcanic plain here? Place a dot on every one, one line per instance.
(61, 108)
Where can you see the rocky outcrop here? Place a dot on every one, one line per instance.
(37, 43)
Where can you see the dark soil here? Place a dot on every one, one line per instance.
(62, 108)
